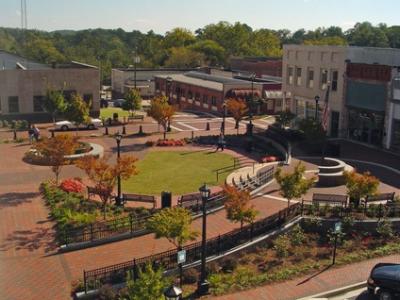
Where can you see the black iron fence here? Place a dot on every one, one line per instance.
(117, 273)
(135, 226)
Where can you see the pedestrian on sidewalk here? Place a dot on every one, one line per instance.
(31, 133)
(36, 133)
(221, 143)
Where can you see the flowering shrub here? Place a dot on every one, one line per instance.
(72, 185)
(170, 143)
(269, 158)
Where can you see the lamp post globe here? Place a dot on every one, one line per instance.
(118, 138)
(173, 293)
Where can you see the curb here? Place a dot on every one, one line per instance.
(335, 292)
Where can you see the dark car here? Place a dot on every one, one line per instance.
(386, 278)
(118, 102)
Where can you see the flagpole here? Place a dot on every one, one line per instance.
(325, 121)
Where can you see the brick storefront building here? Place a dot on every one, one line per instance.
(261, 66)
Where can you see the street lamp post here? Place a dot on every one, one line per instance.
(168, 92)
(118, 138)
(136, 60)
(223, 118)
(316, 98)
(203, 284)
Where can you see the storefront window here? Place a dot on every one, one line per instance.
(366, 127)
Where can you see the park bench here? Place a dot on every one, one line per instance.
(329, 199)
(139, 198)
(136, 117)
(189, 200)
(388, 197)
(92, 191)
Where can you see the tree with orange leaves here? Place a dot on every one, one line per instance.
(162, 112)
(238, 110)
(238, 207)
(54, 150)
(104, 175)
(360, 185)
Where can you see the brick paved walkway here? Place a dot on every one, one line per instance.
(332, 278)
(30, 268)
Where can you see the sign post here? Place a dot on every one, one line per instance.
(181, 259)
(338, 229)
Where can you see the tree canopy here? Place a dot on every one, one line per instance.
(213, 44)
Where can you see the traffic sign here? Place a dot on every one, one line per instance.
(181, 256)
(338, 227)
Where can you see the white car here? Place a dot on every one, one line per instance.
(67, 125)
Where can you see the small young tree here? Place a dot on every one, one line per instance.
(174, 224)
(238, 110)
(150, 285)
(55, 149)
(133, 101)
(360, 185)
(284, 118)
(238, 207)
(54, 103)
(293, 185)
(77, 110)
(104, 175)
(162, 112)
(281, 246)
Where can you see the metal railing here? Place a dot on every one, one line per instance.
(117, 273)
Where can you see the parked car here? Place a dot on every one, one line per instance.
(67, 125)
(386, 278)
(118, 102)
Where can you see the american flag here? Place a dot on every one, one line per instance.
(325, 115)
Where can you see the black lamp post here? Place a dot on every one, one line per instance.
(168, 92)
(252, 77)
(223, 118)
(316, 98)
(118, 138)
(173, 293)
(136, 60)
(203, 284)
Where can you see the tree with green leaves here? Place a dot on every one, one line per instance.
(77, 110)
(54, 103)
(360, 185)
(161, 111)
(284, 118)
(238, 207)
(149, 285)
(293, 185)
(133, 100)
(174, 224)
(184, 57)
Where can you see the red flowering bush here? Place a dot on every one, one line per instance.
(72, 185)
(170, 143)
(269, 158)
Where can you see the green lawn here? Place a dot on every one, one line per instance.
(108, 112)
(177, 172)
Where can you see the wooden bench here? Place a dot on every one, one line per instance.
(335, 200)
(388, 197)
(136, 117)
(189, 199)
(92, 191)
(139, 198)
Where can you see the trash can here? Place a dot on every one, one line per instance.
(166, 199)
(115, 116)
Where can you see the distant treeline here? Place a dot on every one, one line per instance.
(212, 45)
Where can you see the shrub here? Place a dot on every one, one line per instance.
(190, 276)
(23, 125)
(228, 264)
(72, 185)
(281, 246)
(150, 143)
(297, 236)
(106, 292)
(170, 143)
(5, 123)
(347, 224)
(212, 268)
(384, 229)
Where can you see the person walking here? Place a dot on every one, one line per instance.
(221, 143)
(36, 133)
(31, 133)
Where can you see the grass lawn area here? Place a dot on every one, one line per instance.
(179, 172)
(108, 112)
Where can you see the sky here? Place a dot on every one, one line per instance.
(164, 15)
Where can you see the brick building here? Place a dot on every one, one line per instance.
(23, 84)
(203, 92)
(261, 66)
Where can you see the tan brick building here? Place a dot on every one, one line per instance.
(23, 84)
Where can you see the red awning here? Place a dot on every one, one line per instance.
(244, 92)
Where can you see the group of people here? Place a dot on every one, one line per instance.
(34, 133)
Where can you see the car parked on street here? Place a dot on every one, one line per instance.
(385, 278)
(67, 125)
(118, 102)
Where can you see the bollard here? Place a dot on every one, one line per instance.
(192, 134)
(52, 133)
(140, 130)
(15, 134)
(106, 130)
(208, 126)
(123, 129)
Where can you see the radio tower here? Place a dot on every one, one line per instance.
(24, 17)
